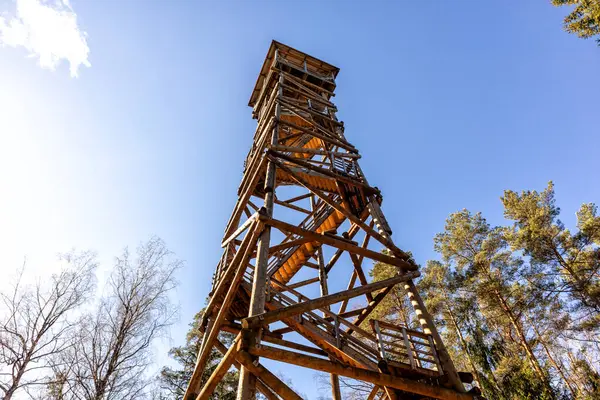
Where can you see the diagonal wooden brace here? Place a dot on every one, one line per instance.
(277, 315)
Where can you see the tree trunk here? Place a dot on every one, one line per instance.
(553, 361)
(464, 345)
(523, 340)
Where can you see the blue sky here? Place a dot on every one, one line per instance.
(449, 102)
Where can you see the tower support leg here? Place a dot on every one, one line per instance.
(429, 328)
(247, 382)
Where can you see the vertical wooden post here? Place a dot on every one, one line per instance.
(434, 352)
(338, 341)
(320, 261)
(429, 329)
(335, 380)
(379, 341)
(409, 349)
(247, 382)
(336, 392)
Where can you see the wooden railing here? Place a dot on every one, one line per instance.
(398, 344)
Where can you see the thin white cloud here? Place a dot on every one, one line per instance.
(48, 30)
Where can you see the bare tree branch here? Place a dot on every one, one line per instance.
(35, 322)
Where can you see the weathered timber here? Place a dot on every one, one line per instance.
(269, 317)
(339, 243)
(267, 377)
(299, 143)
(362, 374)
(220, 371)
(259, 384)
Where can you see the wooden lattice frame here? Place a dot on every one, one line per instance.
(299, 146)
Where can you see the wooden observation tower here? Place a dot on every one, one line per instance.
(306, 212)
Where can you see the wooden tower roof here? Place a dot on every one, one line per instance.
(313, 65)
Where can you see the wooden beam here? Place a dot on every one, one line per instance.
(297, 198)
(264, 389)
(299, 308)
(339, 243)
(223, 283)
(296, 346)
(212, 333)
(344, 304)
(292, 207)
(350, 233)
(285, 245)
(383, 239)
(373, 393)
(337, 142)
(428, 325)
(308, 150)
(360, 273)
(362, 374)
(303, 283)
(304, 83)
(275, 154)
(347, 314)
(239, 230)
(220, 371)
(247, 384)
(284, 330)
(370, 307)
(267, 377)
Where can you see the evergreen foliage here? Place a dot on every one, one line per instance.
(517, 305)
(584, 19)
(173, 380)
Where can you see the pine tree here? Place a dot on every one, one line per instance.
(485, 267)
(584, 19)
(571, 261)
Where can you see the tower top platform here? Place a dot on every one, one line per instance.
(297, 63)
